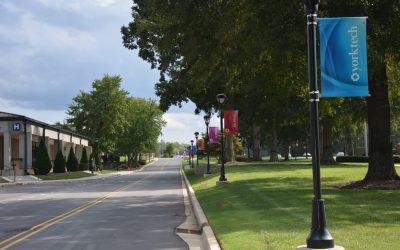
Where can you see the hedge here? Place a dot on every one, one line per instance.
(72, 162)
(396, 159)
(42, 164)
(59, 163)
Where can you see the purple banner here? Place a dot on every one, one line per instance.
(213, 133)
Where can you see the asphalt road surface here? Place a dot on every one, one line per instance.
(135, 211)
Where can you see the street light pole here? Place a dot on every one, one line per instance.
(221, 99)
(319, 236)
(191, 152)
(207, 122)
(196, 135)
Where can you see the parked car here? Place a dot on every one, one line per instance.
(340, 154)
(307, 154)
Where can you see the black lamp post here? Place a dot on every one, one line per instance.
(221, 100)
(207, 122)
(319, 237)
(196, 134)
(191, 152)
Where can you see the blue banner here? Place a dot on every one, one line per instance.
(194, 149)
(343, 45)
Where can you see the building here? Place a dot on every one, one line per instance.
(19, 140)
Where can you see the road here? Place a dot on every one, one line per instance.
(135, 211)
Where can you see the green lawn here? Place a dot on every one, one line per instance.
(109, 171)
(64, 176)
(3, 181)
(203, 161)
(268, 206)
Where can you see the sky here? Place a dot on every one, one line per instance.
(50, 50)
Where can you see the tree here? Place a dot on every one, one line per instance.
(72, 162)
(144, 125)
(383, 43)
(42, 164)
(170, 149)
(84, 163)
(223, 46)
(100, 114)
(59, 163)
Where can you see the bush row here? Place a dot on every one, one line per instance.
(42, 165)
(396, 158)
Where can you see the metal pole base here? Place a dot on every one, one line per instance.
(304, 247)
(319, 237)
(222, 183)
(222, 178)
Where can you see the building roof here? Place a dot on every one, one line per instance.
(4, 116)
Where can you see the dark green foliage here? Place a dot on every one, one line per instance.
(59, 163)
(242, 158)
(72, 162)
(84, 164)
(352, 159)
(42, 164)
(396, 159)
(142, 162)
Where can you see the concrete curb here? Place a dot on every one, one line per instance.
(96, 177)
(208, 237)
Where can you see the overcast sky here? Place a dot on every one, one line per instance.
(51, 49)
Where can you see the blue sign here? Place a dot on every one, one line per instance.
(16, 127)
(344, 69)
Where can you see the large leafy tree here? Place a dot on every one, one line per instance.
(143, 127)
(383, 43)
(250, 51)
(100, 113)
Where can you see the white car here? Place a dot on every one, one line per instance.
(340, 154)
(307, 154)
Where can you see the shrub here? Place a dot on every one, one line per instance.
(84, 164)
(42, 164)
(352, 159)
(59, 163)
(72, 162)
(396, 159)
(241, 158)
(142, 162)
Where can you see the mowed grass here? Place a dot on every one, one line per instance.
(268, 206)
(64, 176)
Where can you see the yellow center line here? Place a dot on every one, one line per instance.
(40, 227)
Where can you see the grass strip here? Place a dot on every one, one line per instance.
(64, 176)
(268, 206)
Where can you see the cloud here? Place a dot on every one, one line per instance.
(52, 49)
(76, 5)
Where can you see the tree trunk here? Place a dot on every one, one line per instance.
(273, 145)
(381, 166)
(348, 141)
(229, 150)
(327, 142)
(256, 143)
(248, 151)
(286, 149)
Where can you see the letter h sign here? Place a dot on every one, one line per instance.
(16, 126)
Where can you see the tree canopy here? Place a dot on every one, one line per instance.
(115, 121)
(256, 53)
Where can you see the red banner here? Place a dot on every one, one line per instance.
(231, 122)
(200, 144)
